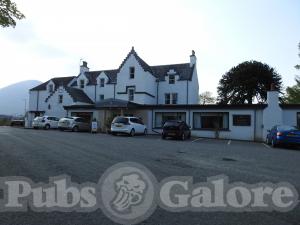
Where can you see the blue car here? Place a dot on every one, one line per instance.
(282, 134)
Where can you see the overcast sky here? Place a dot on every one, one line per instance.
(56, 34)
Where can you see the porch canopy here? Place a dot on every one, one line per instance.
(111, 103)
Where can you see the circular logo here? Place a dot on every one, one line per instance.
(127, 193)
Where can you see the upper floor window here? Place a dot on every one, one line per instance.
(171, 98)
(60, 99)
(101, 97)
(102, 82)
(131, 72)
(167, 98)
(174, 98)
(51, 89)
(81, 83)
(131, 94)
(171, 79)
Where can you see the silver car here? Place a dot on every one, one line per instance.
(74, 124)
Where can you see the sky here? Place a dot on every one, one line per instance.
(57, 34)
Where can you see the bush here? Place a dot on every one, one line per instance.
(4, 122)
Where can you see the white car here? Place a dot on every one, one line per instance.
(74, 124)
(45, 122)
(128, 125)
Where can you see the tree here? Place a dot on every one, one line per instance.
(247, 81)
(298, 66)
(9, 13)
(293, 93)
(206, 98)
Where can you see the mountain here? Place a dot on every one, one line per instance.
(12, 97)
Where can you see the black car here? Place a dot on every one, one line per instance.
(176, 129)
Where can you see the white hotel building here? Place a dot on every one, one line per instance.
(156, 94)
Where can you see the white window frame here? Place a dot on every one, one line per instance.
(172, 100)
(100, 97)
(60, 99)
(172, 81)
(131, 95)
(102, 82)
(81, 83)
(131, 72)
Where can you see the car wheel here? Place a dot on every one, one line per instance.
(75, 129)
(145, 132)
(132, 132)
(113, 133)
(163, 136)
(47, 127)
(183, 136)
(273, 143)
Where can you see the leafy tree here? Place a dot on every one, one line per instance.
(206, 98)
(247, 81)
(298, 66)
(9, 13)
(293, 93)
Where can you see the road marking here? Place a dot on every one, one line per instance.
(198, 139)
(266, 145)
(229, 142)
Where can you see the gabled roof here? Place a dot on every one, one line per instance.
(184, 70)
(142, 63)
(58, 81)
(92, 76)
(78, 95)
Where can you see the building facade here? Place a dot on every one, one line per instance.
(155, 94)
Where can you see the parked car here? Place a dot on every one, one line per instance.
(74, 124)
(45, 122)
(283, 134)
(176, 129)
(128, 125)
(17, 123)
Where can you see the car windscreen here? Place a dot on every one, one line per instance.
(38, 119)
(171, 124)
(120, 120)
(286, 128)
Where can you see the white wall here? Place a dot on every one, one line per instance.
(107, 90)
(289, 116)
(143, 82)
(194, 89)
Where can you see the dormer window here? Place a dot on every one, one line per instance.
(131, 72)
(81, 83)
(171, 79)
(50, 88)
(102, 82)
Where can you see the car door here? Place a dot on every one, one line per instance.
(55, 122)
(135, 125)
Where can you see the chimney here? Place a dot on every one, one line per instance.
(273, 96)
(84, 68)
(193, 58)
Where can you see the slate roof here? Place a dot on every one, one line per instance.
(184, 70)
(78, 95)
(58, 81)
(92, 76)
(142, 63)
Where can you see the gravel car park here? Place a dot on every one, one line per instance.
(38, 154)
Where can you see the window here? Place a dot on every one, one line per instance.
(101, 97)
(131, 94)
(167, 99)
(162, 117)
(60, 99)
(81, 83)
(171, 79)
(211, 121)
(50, 88)
(49, 106)
(102, 81)
(174, 98)
(171, 98)
(131, 72)
(298, 119)
(241, 120)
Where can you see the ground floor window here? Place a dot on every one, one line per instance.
(241, 120)
(211, 120)
(298, 119)
(162, 117)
